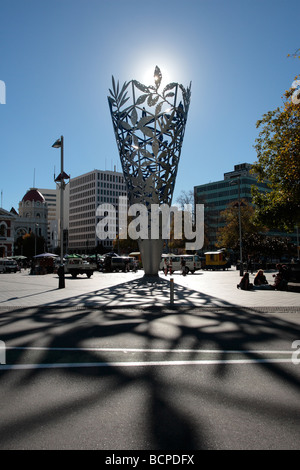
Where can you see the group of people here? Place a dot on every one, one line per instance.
(260, 281)
(168, 267)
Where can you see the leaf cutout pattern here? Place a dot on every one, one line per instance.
(149, 138)
(141, 99)
(125, 125)
(168, 87)
(141, 87)
(157, 76)
(158, 108)
(134, 116)
(152, 100)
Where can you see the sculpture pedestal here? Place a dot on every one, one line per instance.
(151, 251)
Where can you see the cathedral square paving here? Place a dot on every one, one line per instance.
(201, 289)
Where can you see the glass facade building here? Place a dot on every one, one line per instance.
(217, 196)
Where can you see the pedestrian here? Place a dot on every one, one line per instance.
(166, 266)
(183, 267)
(250, 265)
(245, 283)
(281, 278)
(260, 279)
(171, 266)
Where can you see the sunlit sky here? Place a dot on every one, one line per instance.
(58, 56)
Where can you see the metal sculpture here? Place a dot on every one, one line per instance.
(149, 131)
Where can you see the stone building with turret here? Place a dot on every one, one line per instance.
(33, 215)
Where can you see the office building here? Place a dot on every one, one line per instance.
(52, 198)
(87, 192)
(217, 196)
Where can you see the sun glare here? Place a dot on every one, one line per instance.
(172, 70)
(147, 78)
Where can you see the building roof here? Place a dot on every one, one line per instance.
(33, 195)
(6, 215)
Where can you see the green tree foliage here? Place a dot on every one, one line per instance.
(278, 154)
(229, 237)
(255, 241)
(29, 245)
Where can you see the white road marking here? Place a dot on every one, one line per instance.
(146, 363)
(139, 364)
(216, 351)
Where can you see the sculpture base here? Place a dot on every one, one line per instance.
(151, 251)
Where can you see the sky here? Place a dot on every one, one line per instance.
(57, 58)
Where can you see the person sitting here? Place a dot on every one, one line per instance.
(260, 279)
(281, 278)
(245, 283)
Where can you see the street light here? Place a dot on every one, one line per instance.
(240, 223)
(35, 235)
(60, 179)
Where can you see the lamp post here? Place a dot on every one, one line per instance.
(60, 179)
(35, 236)
(240, 224)
(240, 230)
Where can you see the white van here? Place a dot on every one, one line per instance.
(173, 262)
(192, 262)
(8, 265)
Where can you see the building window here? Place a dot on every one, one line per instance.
(3, 228)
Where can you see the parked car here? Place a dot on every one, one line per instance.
(117, 263)
(8, 265)
(77, 265)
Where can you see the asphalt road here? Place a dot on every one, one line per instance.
(167, 378)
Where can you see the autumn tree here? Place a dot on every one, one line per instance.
(29, 245)
(229, 237)
(278, 164)
(255, 240)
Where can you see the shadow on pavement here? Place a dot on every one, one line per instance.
(171, 424)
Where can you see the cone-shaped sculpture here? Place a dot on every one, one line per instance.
(149, 126)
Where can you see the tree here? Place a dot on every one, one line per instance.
(185, 197)
(125, 246)
(228, 236)
(255, 241)
(29, 245)
(278, 153)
